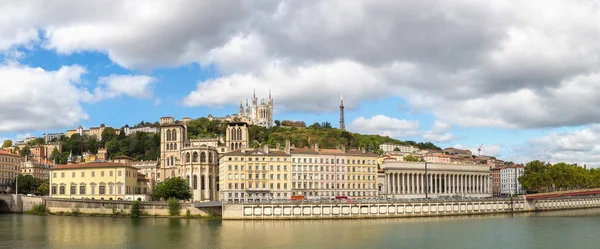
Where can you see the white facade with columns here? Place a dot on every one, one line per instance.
(408, 180)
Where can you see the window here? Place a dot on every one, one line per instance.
(110, 173)
(54, 189)
(119, 173)
(102, 173)
(62, 174)
(93, 189)
(82, 189)
(54, 176)
(102, 189)
(93, 173)
(62, 190)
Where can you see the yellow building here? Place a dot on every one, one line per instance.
(9, 168)
(98, 180)
(361, 173)
(255, 174)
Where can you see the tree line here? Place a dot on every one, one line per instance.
(539, 176)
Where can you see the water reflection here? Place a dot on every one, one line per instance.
(557, 229)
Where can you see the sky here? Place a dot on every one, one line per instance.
(520, 78)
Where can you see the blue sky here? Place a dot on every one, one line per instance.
(456, 73)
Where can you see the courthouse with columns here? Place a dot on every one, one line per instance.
(408, 180)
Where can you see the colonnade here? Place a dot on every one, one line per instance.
(416, 183)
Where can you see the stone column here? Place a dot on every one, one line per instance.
(206, 185)
(413, 183)
(478, 184)
(390, 183)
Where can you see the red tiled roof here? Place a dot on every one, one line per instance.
(92, 165)
(7, 153)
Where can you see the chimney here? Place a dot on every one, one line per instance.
(287, 146)
(343, 148)
(266, 148)
(278, 146)
(363, 150)
(316, 147)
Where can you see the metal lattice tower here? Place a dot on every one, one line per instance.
(342, 125)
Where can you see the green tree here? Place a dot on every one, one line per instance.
(277, 123)
(7, 143)
(175, 187)
(136, 210)
(27, 184)
(326, 125)
(536, 177)
(44, 188)
(25, 151)
(55, 155)
(174, 206)
(315, 126)
(411, 158)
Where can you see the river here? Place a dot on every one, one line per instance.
(555, 229)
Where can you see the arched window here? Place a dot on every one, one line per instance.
(195, 157)
(232, 146)
(202, 182)
(236, 146)
(187, 157)
(172, 173)
(174, 136)
(210, 158)
(175, 146)
(203, 157)
(239, 133)
(168, 135)
(195, 182)
(172, 161)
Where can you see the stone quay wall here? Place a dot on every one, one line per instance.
(265, 211)
(87, 206)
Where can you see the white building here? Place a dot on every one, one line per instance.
(408, 180)
(508, 179)
(50, 136)
(397, 148)
(149, 129)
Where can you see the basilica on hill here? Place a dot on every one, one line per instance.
(257, 114)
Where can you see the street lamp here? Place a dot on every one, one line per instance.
(426, 182)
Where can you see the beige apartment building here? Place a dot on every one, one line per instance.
(37, 169)
(9, 169)
(255, 174)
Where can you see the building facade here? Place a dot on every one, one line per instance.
(509, 180)
(93, 131)
(52, 137)
(98, 180)
(196, 160)
(37, 169)
(9, 169)
(327, 173)
(129, 131)
(255, 174)
(387, 147)
(257, 114)
(496, 181)
(408, 180)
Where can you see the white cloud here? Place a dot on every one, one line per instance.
(33, 98)
(37, 99)
(384, 125)
(439, 133)
(470, 63)
(580, 146)
(136, 86)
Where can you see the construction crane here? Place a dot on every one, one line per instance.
(479, 150)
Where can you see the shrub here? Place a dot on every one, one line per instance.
(136, 210)
(174, 206)
(75, 211)
(39, 209)
(188, 213)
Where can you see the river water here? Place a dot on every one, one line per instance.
(557, 229)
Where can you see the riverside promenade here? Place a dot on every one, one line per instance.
(398, 208)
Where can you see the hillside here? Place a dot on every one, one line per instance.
(300, 137)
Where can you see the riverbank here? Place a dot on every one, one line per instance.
(389, 209)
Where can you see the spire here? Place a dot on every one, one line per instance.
(254, 93)
(246, 101)
(269, 93)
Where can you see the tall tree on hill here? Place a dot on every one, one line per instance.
(326, 125)
(7, 143)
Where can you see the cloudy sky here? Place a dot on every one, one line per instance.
(522, 78)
